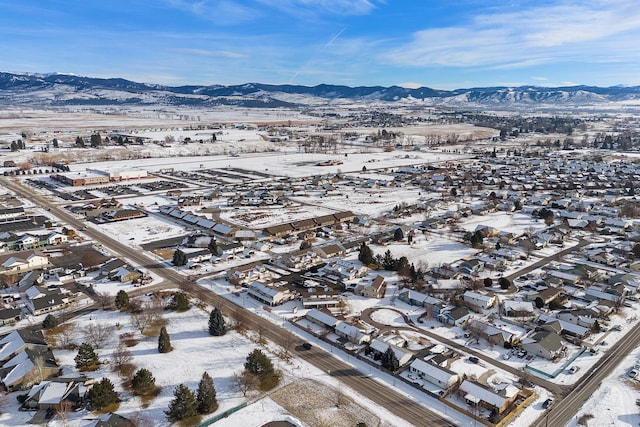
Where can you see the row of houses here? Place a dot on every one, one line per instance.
(306, 225)
(19, 242)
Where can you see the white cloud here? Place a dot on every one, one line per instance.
(562, 32)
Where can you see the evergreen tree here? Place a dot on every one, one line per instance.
(305, 245)
(55, 142)
(388, 262)
(102, 394)
(206, 395)
(213, 246)
(49, 322)
(402, 266)
(179, 302)
(164, 343)
(179, 258)
(122, 300)
(80, 142)
(14, 146)
(143, 382)
(389, 360)
(366, 255)
(217, 327)
(477, 239)
(86, 357)
(258, 363)
(95, 140)
(398, 234)
(184, 404)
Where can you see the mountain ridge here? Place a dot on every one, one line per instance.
(58, 89)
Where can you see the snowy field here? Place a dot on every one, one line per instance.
(140, 230)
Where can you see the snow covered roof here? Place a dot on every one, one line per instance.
(476, 393)
(436, 372)
(321, 317)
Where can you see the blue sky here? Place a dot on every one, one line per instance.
(440, 44)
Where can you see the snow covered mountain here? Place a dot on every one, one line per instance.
(52, 90)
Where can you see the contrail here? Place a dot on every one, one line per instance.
(329, 43)
(334, 38)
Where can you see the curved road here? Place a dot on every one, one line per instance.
(569, 399)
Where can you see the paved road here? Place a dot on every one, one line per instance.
(388, 398)
(561, 411)
(555, 388)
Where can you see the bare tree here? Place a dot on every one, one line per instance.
(140, 320)
(245, 381)
(140, 420)
(36, 375)
(97, 334)
(65, 336)
(62, 410)
(4, 401)
(104, 300)
(121, 356)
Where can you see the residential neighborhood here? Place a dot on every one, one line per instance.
(483, 280)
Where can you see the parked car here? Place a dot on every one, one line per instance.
(307, 345)
(506, 356)
(547, 403)
(616, 328)
(521, 354)
(574, 369)
(634, 373)
(473, 359)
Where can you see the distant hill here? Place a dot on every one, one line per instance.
(22, 89)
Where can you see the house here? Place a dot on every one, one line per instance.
(479, 300)
(346, 216)
(511, 308)
(455, 316)
(23, 261)
(352, 333)
(493, 334)
(49, 394)
(124, 274)
(343, 270)
(37, 361)
(437, 375)
(18, 340)
(123, 214)
(331, 250)
(269, 295)
(9, 316)
(196, 255)
(10, 213)
(585, 317)
(276, 231)
(110, 420)
(46, 304)
(378, 348)
(471, 267)
(375, 289)
(545, 344)
(563, 327)
(611, 299)
(476, 394)
(321, 318)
